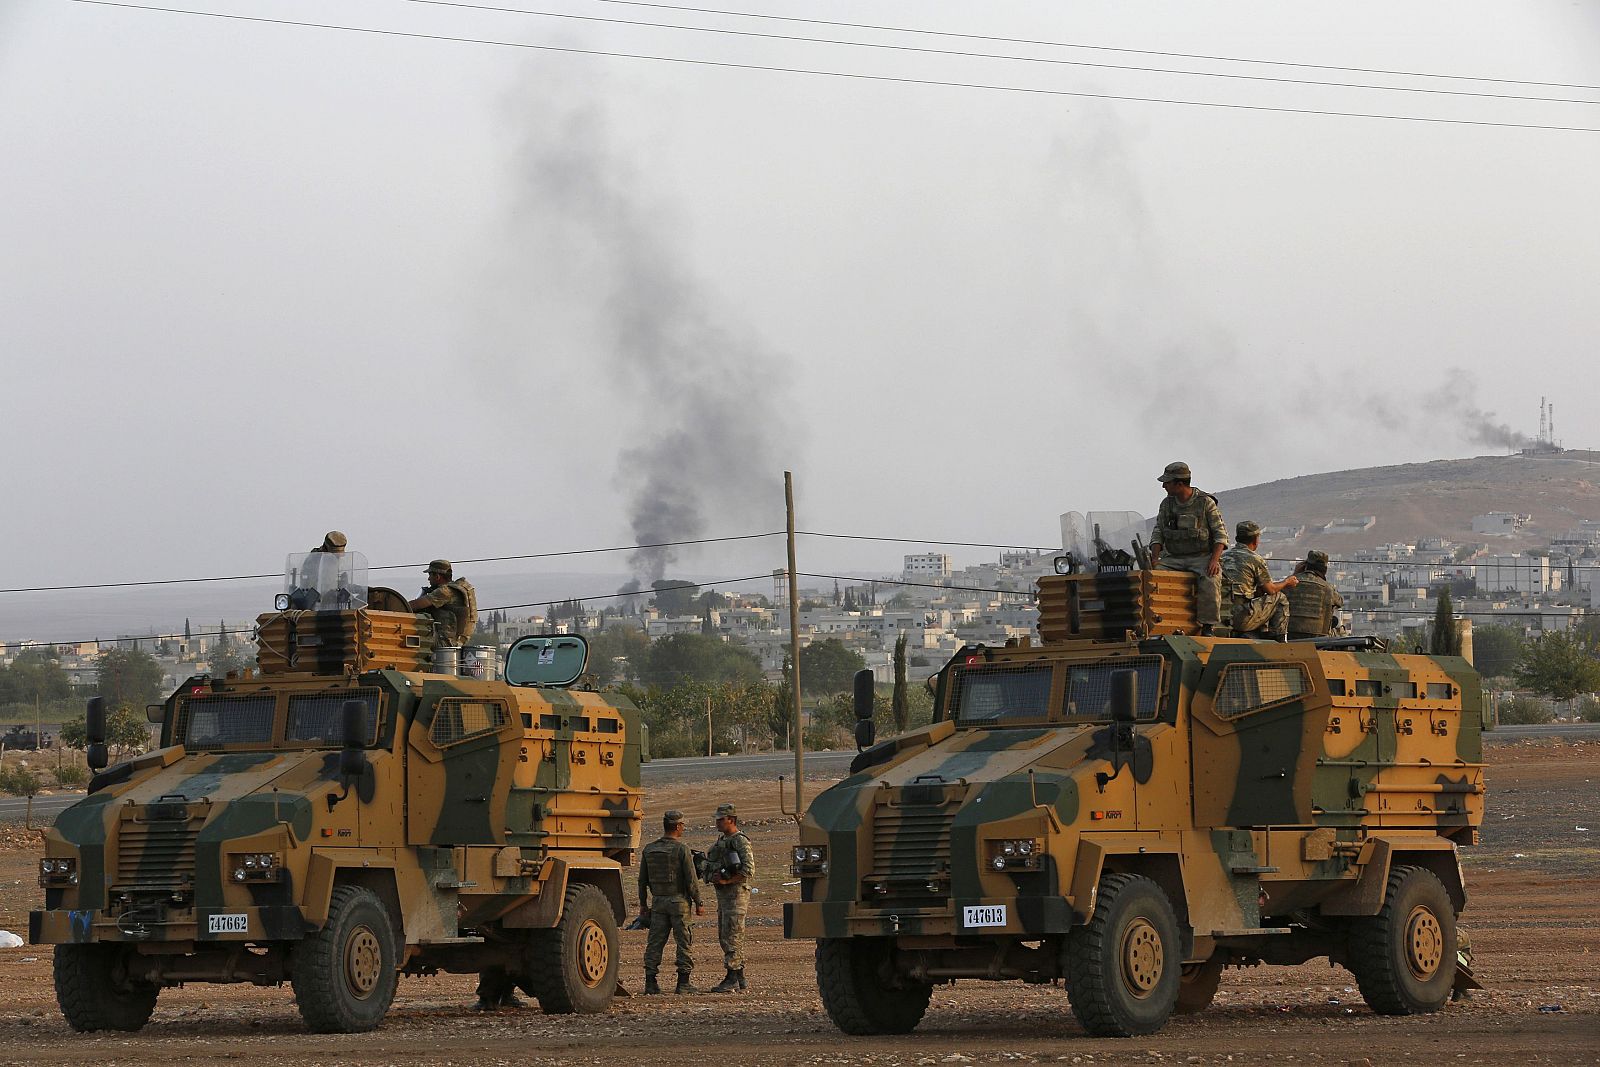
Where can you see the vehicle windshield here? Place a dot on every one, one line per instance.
(314, 719)
(986, 694)
(326, 581)
(1089, 687)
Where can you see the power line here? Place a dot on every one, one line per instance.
(1088, 47)
(923, 541)
(400, 566)
(636, 592)
(846, 75)
(885, 46)
(919, 585)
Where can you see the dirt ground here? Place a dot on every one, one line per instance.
(1534, 883)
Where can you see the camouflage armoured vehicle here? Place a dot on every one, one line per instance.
(345, 814)
(1131, 810)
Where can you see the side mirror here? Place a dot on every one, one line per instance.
(865, 690)
(94, 729)
(155, 714)
(1124, 696)
(353, 760)
(866, 734)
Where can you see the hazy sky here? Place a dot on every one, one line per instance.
(456, 299)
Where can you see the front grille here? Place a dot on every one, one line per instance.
(911, 841)
(157, 854)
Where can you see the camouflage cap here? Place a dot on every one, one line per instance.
(440, 565)
(727, 810)
(673, 817)
(1177, 471)
(334, 541)
(1317, 558)
(1247, 530)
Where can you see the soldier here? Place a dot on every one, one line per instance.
(1314, 604)
(333, 543)
(1189, 536)
(496, 990)
(1257, 601)
(731, 865)
(449, 603)
(666, 874)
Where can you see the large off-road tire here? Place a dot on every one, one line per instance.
(573, 968)
(860, 992)
(344, 975)
(95, 992)
(1197, 986)
(1124, 965)
(1404, 957)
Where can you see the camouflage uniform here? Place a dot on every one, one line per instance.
(1314, 605)
(667, 889)
(733, 901)
(1187, 533)
(1246, 576)
(447, 606)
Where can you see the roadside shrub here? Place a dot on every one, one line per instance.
(1524, 711)
(18, 781)
(1589, 709)
(71, 775)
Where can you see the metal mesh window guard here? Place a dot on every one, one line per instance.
(1249, 686)
(1089, 687)
(214, 721)
(320, 716)
(456, 720)
(987, 695)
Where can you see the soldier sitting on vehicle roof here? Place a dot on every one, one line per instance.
(1314, 604)
(451, 603)
(1259, 606)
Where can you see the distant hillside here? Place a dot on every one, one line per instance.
(1428, 499)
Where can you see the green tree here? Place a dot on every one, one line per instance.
(1496, 650)
(127, 730)
(73, 734)
(615, 651)
(899, 707)
(828, 667)
(1559, 665)
(129, 678)
(1445, 637)
(674, 597)
(681, 658)
(231, 656)
(35, 676)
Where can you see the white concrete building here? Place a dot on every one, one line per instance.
(927, 565)
(1499, 523)
(1513, 574)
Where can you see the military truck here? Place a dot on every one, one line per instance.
(344, 814)
(1130, 809)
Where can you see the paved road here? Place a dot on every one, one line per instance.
(656, 772)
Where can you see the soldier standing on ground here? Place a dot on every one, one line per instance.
(449, 603)
(1257, 601)
(731, 865)
(1189, 536)
(667, 886)
(1314, 604)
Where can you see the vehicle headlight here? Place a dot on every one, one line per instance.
(814, 854)
(799, 853)
(810, 860)
(255, 866)
(58, 871)
(1014, 853)
(1008, 848)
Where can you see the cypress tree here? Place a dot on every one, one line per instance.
(1446, 637)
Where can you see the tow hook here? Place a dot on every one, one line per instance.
(894, 922)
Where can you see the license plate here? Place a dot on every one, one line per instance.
(984, 915)
(231, 924)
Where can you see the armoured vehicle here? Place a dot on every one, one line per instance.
(1131, 809)
(344, 814)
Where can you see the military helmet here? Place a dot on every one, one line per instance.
(1247, 530)
(1177, 471)
(673, 817)
(439, 566)
(727, 811)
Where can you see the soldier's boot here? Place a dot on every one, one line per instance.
(743, 985)
(683, 984)
(651, 986)
(1205, 629)
(733, 983)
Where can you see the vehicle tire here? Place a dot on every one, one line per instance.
(1124, 966)
(344, 975)
(1404, 957)
(573, 968)
(861, 992)
(95, 992)
(1197, 985)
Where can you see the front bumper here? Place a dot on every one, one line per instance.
(1024, 917)
(72, 926)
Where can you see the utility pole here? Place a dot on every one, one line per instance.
(794, 656)
(708, 724)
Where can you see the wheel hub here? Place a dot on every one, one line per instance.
(1142, 956)
(363, 961)
(1424, 943)
(594, 953)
